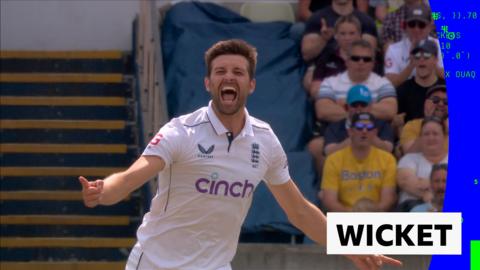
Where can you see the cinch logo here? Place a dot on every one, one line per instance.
(205, 153)
(221, 187)
(394, 233)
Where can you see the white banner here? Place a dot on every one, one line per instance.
(394, 233)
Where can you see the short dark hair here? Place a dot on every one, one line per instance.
(235, 47)
(438, 167)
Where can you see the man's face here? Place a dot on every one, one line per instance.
(358, 107)
(362, 133)
(438, 184)
(417, 30)
(432, 136)
(360, 64)
(346, 33)
(229, 83)
(437, 105)
(425, 64)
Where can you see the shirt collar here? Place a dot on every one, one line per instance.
(221, 129)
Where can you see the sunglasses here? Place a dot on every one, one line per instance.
(437, 100)
(419, 24)
(357, 58)
(361, 126)
(424, 55)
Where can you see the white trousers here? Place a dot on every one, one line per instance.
(136, 261)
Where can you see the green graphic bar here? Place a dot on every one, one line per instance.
(475, 255)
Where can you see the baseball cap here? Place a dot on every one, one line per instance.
(359, 93)
(420, 12)
(436, 88)
(426, 45)
(363, 116)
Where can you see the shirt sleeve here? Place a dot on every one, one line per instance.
(390, 176)
(391, 61)
(330, 179)
(277, 172)
(167, 143)
(409, 132)
(386, 89)
(326, 90)
(409, 161)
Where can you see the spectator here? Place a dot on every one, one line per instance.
(435, 104)
(306, 7)
(359, 100)
(360, 177)
(411, 94)
(319, 31)
(438, 183)
(414, 168)
(398, 66)
(377, 9)
(330, 104)
(330, 98)
(347, 29)
(392, 30)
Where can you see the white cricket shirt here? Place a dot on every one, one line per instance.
(205, 190)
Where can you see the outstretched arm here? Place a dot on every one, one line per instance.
(117, 186)
(309, 219)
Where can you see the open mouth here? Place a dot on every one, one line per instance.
(228, 94)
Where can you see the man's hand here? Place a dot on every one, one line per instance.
(91, 191)
(372, 262)
(326, 32)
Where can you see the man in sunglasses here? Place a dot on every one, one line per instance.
(330, 98)
(436, 104)
(359, 100)
(360, 177)
(398, 64)
(412, 93)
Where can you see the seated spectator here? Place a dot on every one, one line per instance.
(377, 9)
(319, 28)
(438, 183)
(392, 29)
(411, 94)
(359, 100)
(347, 29)
(330, 98)
(360, 177)
(414, 168)
(435, 104)
(398, 64)
(330, 103)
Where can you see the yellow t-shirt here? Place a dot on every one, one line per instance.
(355, 179)
(411, 131)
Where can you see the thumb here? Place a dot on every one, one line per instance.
(84, 182)
(324, 23)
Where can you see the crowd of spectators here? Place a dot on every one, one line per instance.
(376, 80)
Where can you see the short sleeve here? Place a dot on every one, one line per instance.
(326, 90)
(409, 161)
(410, 131)
(330, 179)
(386, 89)
(277, 172)
(390, 175)
(391, 61)
(167, 143)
